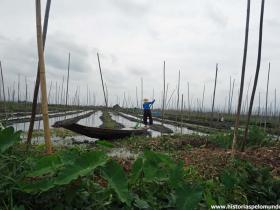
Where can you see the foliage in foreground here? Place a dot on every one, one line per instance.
(89, 179)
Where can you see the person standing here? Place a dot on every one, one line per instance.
(147, 112)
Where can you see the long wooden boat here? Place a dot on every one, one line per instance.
(104, 133)
(99, 133)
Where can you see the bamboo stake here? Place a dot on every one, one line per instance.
(25, 92)
(189, 105)
(229, 95)
(62, 91)
(50, 90)
(163, 99)
(182, 103)
(234, 141)
(178, 93)
(37, 83)
(69, 57)
(202, 103)
(214, 93)
(168, 102)
(142, 97)
(3, 89)
(259, 109)
(266, 97)
(232, 90)
(18, 88)
(275, 113)
(137, 105)
(43, 78)
(256, 76)
(106, 102)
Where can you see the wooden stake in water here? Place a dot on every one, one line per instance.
(43, 78)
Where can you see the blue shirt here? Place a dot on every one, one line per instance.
(147, 105)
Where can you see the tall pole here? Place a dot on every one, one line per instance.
(229, 95)
(37, 83)
(178, 94)
(232, 90)
(233, 147)
(182, 104)
(275, 103)
(214, 93)
(202, 103)
(69, 57)
(266, 97)
(137, 97)
(163, 97)
(142, 97)
(106, 102)
(43, 78)
(3, 89)
(256, 76)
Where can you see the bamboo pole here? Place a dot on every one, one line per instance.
(137, 105)
(266, 96)
(202, 103)
(142, 97)
(256, 76)
(25, 92)
(232, 91)
(234, 141)
(189, 105)
(168, 102)
(163, 98)
(68, 69)
(62, 91)
(50, 90)
(18, 88)
(214, 93)
(178, 93)
(182, 104)
(106, 102)
(3, 89)
(229, 95)
(37, 83)
(275, 112)
(43, 78)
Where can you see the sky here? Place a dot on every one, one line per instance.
(134, 38)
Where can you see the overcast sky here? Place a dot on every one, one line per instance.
(134, 37)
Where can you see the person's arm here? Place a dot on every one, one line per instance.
(152, 102)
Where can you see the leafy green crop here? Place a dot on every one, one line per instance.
(72, 178)
(8, 137)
